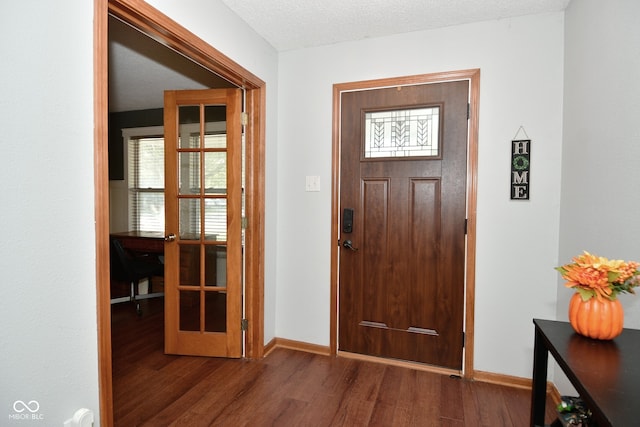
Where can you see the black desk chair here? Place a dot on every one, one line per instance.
(131, 269)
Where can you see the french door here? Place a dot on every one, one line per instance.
(203, 211)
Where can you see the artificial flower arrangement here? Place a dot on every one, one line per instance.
(595, 276)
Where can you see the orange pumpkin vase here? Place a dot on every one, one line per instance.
(600, 319)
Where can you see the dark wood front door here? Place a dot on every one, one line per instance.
(403, 169)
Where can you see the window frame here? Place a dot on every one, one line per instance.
(129, 134)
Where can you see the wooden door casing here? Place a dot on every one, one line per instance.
(150, 21)
(402, 293)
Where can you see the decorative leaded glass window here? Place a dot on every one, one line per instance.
(402, 133)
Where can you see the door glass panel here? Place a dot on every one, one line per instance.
(215, 140)
(215, 311)
(190, 265)
(215, 266)
(189, 119)
(189, 310)
(215, 176)
(402, 133)
(215, 221)
(189, 219)
(189, 173)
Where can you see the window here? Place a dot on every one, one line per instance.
(146, 183)
(402, 133)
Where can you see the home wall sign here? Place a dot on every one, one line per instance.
(520, 166)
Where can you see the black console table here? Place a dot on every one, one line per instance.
(606, 374)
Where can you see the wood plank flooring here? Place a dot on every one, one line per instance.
(288, 388)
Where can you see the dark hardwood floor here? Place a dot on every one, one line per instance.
(288, 388)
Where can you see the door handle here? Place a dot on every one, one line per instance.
(170, 237)
(349, 245)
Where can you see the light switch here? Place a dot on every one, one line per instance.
(312, 183)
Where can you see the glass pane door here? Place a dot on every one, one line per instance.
(205, 162)
(202, 199)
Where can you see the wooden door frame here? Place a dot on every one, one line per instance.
(473, 76)
(166, 31)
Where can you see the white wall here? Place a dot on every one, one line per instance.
(213, 22)
(47, 251)
(600, 174)
(47, 257)
(521, 62)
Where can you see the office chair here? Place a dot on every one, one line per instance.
(130, 269)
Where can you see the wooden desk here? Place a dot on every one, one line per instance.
(606, 374)
(149, 242)
(152, 243)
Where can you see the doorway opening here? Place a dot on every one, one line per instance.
(162, 29)
(384, 179)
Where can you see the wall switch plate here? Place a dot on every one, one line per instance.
(312, 183)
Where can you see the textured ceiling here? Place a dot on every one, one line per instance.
(295, 24)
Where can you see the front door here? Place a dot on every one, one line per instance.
(403, 168)
(203, 214)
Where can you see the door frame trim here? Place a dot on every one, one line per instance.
(168, 32)
(473, 76)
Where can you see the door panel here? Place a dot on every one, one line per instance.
(203, 202)
(401, 287)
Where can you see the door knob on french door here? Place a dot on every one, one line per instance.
(170, 237)
(349, 245)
